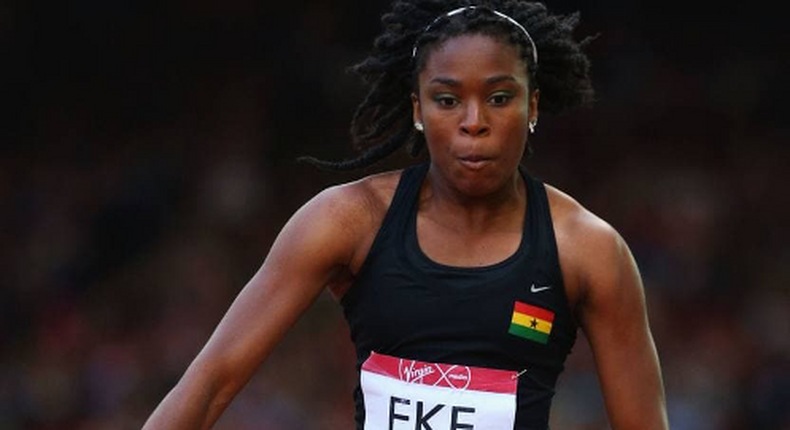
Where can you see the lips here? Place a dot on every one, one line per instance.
(474, 162)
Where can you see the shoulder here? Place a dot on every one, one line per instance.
(574, 221)
(592, 253)
(353, 212)
(359, 200)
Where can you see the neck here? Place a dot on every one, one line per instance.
(472, 210)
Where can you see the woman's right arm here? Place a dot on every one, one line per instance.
(312, 250)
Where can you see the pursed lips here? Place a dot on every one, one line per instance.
(474, 161)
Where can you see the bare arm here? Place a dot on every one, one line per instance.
(310, 252)
(612, 313)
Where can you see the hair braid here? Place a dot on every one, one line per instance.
(382, 122)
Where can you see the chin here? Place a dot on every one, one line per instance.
(478, 185)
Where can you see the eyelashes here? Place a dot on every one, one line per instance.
(501, 98)
(446, 101)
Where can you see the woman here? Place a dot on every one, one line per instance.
(463, 279)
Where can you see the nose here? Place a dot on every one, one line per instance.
(474, 121)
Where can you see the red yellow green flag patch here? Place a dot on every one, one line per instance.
(531, 322)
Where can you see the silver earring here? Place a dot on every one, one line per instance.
(418, 126)
(532, 125)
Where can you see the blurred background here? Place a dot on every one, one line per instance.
(147, 161)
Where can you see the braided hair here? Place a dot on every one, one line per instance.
(382, 123)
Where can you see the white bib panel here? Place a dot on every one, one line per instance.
(405, 394)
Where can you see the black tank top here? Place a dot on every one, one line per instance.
(404, 304)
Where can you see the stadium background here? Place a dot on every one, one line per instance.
(147, 162)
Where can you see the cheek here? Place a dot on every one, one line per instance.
(438, 136)
(515, 133)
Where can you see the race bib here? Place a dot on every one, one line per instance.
(405, 394)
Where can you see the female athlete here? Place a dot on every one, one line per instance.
(463, 279)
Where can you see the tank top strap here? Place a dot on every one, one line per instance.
(540, 229)
(406, 194)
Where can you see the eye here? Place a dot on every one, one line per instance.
(500, 99)
(446, 100)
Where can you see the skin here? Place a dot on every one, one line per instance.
(474, 101)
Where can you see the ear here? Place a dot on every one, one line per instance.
(415, 108)
(533, 106)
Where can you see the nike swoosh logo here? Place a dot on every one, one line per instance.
(535, 289)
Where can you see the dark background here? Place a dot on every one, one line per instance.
(147, 161)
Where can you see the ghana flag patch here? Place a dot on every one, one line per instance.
(531, 322)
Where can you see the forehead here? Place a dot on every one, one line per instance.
(474, 56)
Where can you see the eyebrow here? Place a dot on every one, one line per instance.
(455, 83)
(500, 78)
(450, 82)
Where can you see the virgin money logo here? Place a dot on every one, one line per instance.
(436, 375)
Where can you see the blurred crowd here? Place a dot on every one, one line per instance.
(147, 163)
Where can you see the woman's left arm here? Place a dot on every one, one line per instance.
(611, 311)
